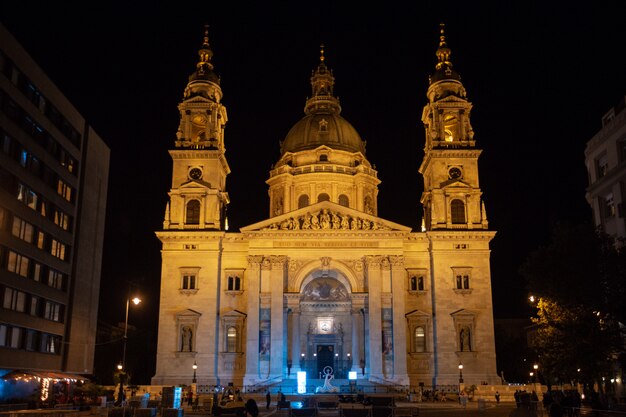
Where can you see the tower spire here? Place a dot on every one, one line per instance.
(204, 63)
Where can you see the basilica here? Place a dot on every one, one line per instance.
(324, 284)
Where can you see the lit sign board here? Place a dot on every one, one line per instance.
(301, 382)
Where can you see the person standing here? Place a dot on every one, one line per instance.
(497, 397)
(268, 398)
(251, 409)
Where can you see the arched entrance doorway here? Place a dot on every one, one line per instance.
(325, 311)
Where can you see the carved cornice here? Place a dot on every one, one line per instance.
(484, 235)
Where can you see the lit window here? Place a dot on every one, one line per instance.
(18, 264)
(64, 190)
(420, 339)
(231, 337)
(23, 229)
(57, 249)
(14, 300)
(52, 311)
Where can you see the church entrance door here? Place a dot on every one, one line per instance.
(325, 357)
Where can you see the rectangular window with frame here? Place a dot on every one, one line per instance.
(16, 338)
(4, 331)
(18, 264)
(57, 249)
(55, 279)
(52, 311)
(23, 230)
(189, 282)
(64, 190)
(14, 300)
(602, 166)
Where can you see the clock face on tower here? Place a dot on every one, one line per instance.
(195, 173)
(454, 173)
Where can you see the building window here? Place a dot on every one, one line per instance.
(14, 300)
(462, 282)
(4, 330)
(231, 339)
(416, 283)
(52, 311)
(30, 340)
(55, 279)
(303, 201)
(189, 282)
(61, 219)
(23, 229)
(457, 211)
(420, 339)
(18, 264)
(15, 341)
(64, 190)
(323, 197)
(344, 201)
(609, 205)
(323, 158)
(49, 343)
(34, 306)
(234, 283)
(602, 166)
(193, 212)
(57, 249)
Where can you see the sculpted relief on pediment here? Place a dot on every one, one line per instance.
(326, 219)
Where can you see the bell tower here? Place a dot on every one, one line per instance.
(452, 195)
(198, 197)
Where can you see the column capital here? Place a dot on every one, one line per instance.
(397, 261)
(255, 262)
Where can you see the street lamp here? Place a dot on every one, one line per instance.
(460, 373)
(536, 373)
(195, 367)
(135, 300)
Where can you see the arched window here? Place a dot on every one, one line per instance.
(420, 339)
(231, 339)
(193, 212)
(303, 201)
(323, 197)
(457, 212)
(344, 201)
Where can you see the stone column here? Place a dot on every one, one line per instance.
(357, 338)
(398, 285)
(252, 281)
(277, 315)
(293, 330)
(374, 362)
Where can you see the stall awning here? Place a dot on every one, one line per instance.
(26, 374)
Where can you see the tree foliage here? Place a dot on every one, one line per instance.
(579, 281)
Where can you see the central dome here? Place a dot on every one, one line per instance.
(319, 129)
(322, 123)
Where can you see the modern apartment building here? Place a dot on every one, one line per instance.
(53, 189)
(605, 157)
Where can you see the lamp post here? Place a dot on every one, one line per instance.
(460, 373)
(195, 367)
(135, 300)
(536, 374)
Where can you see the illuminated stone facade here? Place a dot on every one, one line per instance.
(324, 281)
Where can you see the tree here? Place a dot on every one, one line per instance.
(579, 281)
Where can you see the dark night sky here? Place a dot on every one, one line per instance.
(539, 74)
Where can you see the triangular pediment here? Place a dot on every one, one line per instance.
(325, 217)
(455, 183)
(195, 184)
(417, 314)
(188, 313)
(197, 99)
